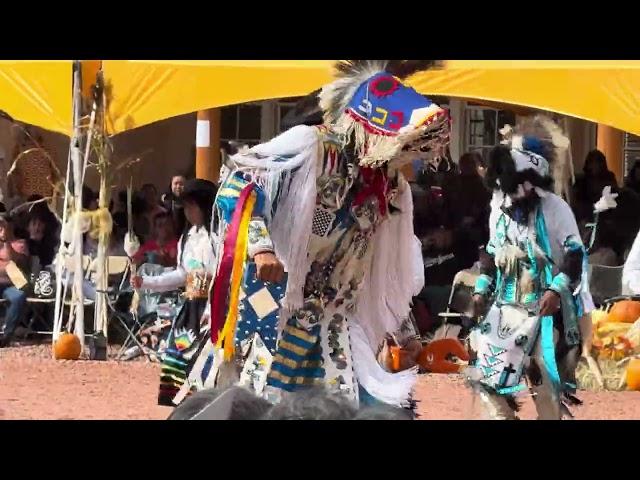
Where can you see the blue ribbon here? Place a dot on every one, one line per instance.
(510, 390)
(546, 328)
(549, 350)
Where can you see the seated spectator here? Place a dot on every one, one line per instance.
(116, 239)
(468, 199)
(172, 203)
(89, 199)
(633, 178)
(147, 207)
(120, 204)
(41, 240)
(588, 187)
(467, 194)
(120, 226)
(16, 251)
(162, 247)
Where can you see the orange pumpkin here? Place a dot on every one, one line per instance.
(627, 311)
(436, 356)
(633, 374)
(67, 347)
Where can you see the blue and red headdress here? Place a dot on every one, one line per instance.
(389, 121)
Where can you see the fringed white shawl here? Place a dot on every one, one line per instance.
(396, 274)
(392, 388)
(287, 168)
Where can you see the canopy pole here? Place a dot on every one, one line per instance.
(208, 144)
(610, 142)
(77, 164)
(60, 263)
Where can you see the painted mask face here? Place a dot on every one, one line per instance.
(393, 122)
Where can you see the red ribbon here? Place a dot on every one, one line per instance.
(223, 279)
(375, 184)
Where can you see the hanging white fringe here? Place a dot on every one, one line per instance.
(286, 169)
(392, 388)
(396, 274)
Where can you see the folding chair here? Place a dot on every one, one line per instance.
(165, 307)
(133, 324)
(37, 308)
(2, 303)
(459, 305)
(118, 268)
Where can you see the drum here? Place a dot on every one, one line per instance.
(501, 343)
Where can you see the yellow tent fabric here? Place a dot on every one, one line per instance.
(147, 91)
(37, 92)
(606, 92)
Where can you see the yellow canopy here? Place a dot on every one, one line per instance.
(606, 92)
(147, 91)
(37, 92)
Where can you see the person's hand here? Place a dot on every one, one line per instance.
(136, 282)
(479, 305)
(550, 303)
(268, 267)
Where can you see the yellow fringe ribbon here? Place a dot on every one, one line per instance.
(229, 330)
(99, 221)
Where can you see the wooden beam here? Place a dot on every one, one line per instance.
(610, 142)
(208, 144)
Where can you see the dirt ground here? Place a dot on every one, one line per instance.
(33, 386)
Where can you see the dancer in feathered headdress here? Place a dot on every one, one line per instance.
(327, 205)
(535, 271)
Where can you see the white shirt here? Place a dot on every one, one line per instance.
(631, 270)
(197, 255)
(561, 224)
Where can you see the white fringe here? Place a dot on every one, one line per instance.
(392, 388)
(287, 167)
(396, 273)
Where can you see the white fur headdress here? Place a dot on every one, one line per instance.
(541, 136)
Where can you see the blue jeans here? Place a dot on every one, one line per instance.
(17, 300)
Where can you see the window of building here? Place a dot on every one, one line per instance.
(483, 127)
(241, 123)
(631, 151)
(283, 108)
